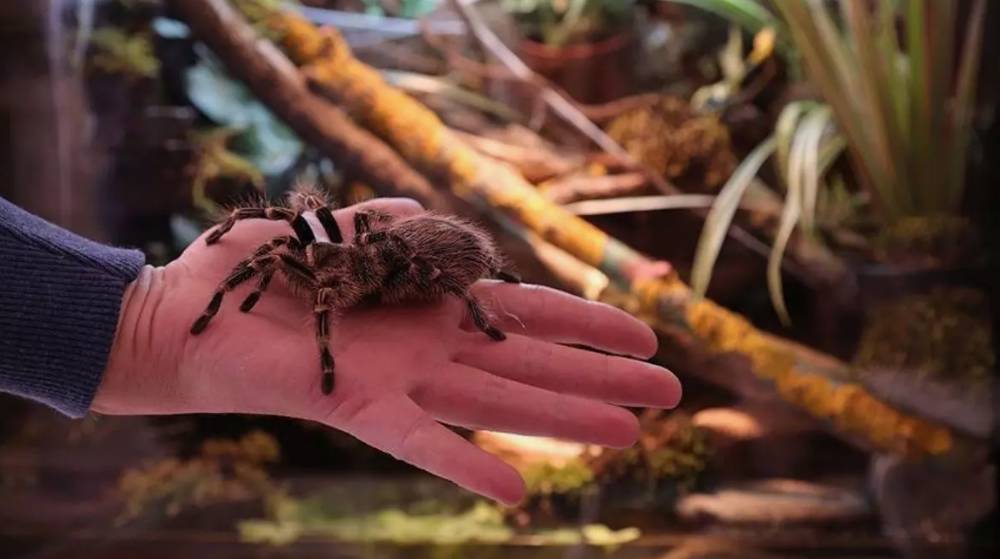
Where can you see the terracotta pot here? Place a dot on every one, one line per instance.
(589, 72)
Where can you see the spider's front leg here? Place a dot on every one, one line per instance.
(241, 273)
(323, 309)
(272, 213)
(266, 268)
(480, 318)
(262, 262)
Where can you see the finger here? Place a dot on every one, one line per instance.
(617, 380)
(399, 207)
(556, 316)
(400, 428)
(472, 398)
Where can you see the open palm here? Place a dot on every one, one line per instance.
(402, 371)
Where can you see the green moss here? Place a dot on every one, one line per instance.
(935, 240)
(548, 479)
(483, 523)
(679, 459)
(224, 471)
(257, 12)
(676, 142)
(117, 52)
(946, 333)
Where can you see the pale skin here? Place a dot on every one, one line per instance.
(402, 371)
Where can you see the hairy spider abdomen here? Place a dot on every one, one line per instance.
(447, 256)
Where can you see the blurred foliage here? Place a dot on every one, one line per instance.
(117, 52)
(676, 452)
(407, 8)
(750, 15)
(735, 67)
(257, 12)
(215, 161)
(942, 240)
(946, 334)
(482, 523)
(562, 22)
(545, 478)
(900, 102)
(669, 137)
(805, 145)
(900, 78)
(224, 471)
(263, 140)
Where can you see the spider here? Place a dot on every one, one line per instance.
(420, 258)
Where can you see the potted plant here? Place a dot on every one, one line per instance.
(587, 47)
(897, 83)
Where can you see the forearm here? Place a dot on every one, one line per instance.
(60, 297)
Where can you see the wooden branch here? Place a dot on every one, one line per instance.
(818, 383)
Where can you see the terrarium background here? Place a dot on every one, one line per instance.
(113, 157)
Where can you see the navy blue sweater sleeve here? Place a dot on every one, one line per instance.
(60, 295)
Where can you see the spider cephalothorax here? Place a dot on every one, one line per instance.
(419, 258)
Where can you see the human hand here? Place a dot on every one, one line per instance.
(400, 369)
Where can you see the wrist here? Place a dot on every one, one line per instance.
(133, 367)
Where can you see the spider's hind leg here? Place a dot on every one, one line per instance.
(366, 220)
(323, 340)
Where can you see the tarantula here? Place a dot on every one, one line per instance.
(421, 258)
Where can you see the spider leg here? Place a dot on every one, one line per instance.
(504, 275)
(365, 219)
(426, 269)
(362, 223)
(266, 275)
(266, 268)
(241, 273)
(297, 268)
(273, 213)
(479, 318)
(323, 339)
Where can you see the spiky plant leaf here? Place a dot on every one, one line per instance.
(721, 215)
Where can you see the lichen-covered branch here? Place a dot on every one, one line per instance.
(814, 381)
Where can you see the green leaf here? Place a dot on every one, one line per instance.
(721, 215)
(803, 176)
(784, 131)
(748, 14)
(264, 140)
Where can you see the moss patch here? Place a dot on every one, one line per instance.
(673, 140)
(946, 333)
(941, 240)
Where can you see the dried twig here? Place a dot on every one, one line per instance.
(583, 187)
(536, 163)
